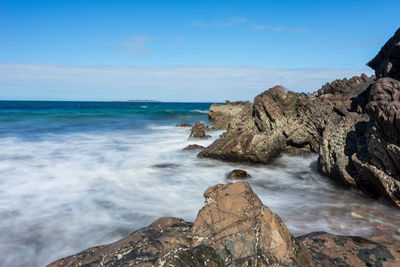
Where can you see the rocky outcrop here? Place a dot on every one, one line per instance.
(281, 121)
(231, 115)
(387, 62)
(233, 228)
(238, 174)
(183, 125)
(199, 131)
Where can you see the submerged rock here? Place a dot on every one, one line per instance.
(193, 147)
(199, 131)
(238, 174)
(184, 125)
(165, 165)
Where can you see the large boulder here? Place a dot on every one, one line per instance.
(387, 62)
(199, 131)
(233, 229)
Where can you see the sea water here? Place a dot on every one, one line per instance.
(79, 174)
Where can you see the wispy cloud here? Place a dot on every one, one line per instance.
(279, 29)
(181, 83)
(228, 22)
(135, 45)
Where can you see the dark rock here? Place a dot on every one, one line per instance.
(184, 125)
(238, 174)
(333, 250)
(353, 86)
(199, 131)
(165, 165)
(192, 147)
(387, 62)
(233, 229)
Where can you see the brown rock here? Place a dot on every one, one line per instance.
(245, 232)
(333, 250)
(238, 174)
(230, 115)
(192, 147)
(199, 131)
(184, 125)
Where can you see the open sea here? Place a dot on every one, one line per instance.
(79, 174)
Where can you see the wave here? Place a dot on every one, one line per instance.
(200, 111)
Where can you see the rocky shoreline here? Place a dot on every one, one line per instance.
(354, 126)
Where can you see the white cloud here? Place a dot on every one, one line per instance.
(279, 29)
(179, 83)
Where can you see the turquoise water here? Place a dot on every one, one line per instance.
(79, 174)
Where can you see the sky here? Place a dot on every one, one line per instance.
(184, 50)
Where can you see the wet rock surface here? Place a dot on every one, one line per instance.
(238, 174)
(192, 147)
(234, 228)
(333, 250)
(184, 125)
(199, 131)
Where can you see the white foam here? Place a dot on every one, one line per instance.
(65, 193)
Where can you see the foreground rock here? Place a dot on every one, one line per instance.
(332, 250)
(231, 115)
(234, 228)
(387, 62)
(238, 174)
(199, 131)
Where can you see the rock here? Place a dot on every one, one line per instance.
(387, 62)
(184, 125)
(230, 115)
(353, 86)
(199, 131)
(192, 147)
(243, 231)
(333, 250)
(165, 165)
(233, 229)
(238, 174)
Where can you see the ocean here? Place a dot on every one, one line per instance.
(80, 174)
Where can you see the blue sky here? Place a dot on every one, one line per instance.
(107, 40)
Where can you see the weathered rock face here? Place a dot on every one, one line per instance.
(231, 115)
(199, 131)
(332, 250)
(281, 121)
(387, 62)
(353, 86)
(233, 229)
(245, 232)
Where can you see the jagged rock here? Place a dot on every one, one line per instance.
(353, 86)
(238, 174)
(333, 250)
(245, 232)
(199, 131)
(387, 62)
(233, 229)
(230, 115)
(184, 125)
(193, 147)
(339, 142)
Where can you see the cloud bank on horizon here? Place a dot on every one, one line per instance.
(180, 83)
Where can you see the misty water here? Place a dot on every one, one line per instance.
(75, 175)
